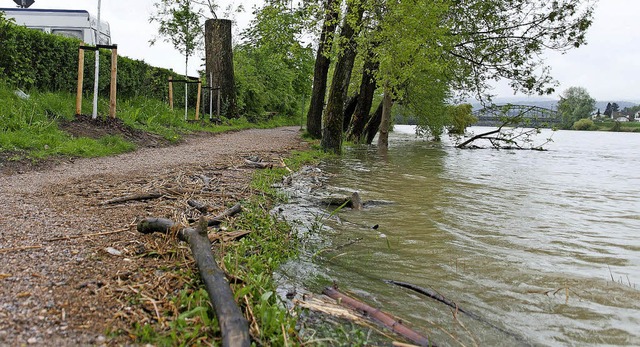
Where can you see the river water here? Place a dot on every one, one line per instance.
(542, 246)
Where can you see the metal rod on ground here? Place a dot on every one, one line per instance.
(80, 80)
(210, 96)
(171, 93)
(186, 98)
(97, 71)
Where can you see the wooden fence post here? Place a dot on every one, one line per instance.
(198, 99)
(114, 80)
(80, 80)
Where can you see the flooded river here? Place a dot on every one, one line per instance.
(543, 247)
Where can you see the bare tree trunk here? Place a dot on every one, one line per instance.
(219, 61)
(321, 70)
(385, 122)
(365, 100)
(333, 122)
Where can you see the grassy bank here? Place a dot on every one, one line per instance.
(249, 263)
(30, 128)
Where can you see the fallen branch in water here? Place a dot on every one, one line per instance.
(438, 297)
(383, 318)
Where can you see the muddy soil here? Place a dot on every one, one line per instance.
(69, 263)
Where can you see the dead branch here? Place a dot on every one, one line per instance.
(203, 208)
(438, 297)
(384, 318)
(14, 249)
(226, 237)
(257, 164)
(233, 325)
(142, 196)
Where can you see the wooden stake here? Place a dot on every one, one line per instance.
(171, 92)
(198, 100)
(80, 79)
(114, 80)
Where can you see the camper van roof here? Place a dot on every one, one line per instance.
(25, 10)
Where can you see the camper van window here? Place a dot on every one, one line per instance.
(68, 33)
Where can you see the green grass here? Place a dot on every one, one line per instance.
(29, 127)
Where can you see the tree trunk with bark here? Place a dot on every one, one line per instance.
(333, 115)
(385, 121)
(321, 70)
(219, 62)
(349, 109)
(374, 124)
(365, 100)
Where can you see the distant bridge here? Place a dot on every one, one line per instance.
(522, 115)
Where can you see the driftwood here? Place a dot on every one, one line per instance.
(142, 196)
(436, 296)
(257, 164)
(233, 325)
(384, 318)
(163, 225)
(354, 201)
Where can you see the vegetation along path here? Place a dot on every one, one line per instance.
(70, 262)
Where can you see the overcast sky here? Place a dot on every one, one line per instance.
(608, 66)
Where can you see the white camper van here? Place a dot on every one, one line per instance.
(71, 23)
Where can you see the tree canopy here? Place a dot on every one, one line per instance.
(575, 104)
(428, 52)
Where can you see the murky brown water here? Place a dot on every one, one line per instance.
(545, 245)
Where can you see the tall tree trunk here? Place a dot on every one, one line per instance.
(219, 61)
(365, 100)
(349, 108)
(321, 70)
(385, 122)
(333, 127)
(374, 124)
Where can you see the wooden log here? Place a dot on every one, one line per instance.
(233, 325)
(257, 164)
(356, 202)
(151, 225)
(383, 318)
(235, 209)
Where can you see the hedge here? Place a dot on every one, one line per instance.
(31, 59)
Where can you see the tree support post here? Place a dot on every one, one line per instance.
(80, 80)
(114, 76)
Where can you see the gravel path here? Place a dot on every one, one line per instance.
(58, 280)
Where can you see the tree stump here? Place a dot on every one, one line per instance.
(219, 65)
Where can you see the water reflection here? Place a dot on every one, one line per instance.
(543, 244)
